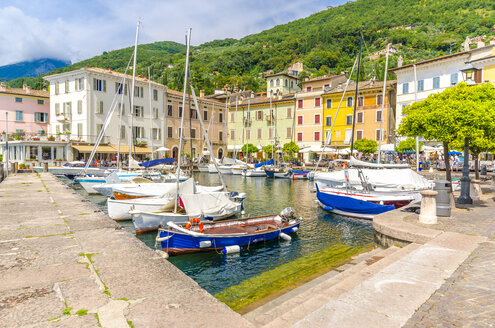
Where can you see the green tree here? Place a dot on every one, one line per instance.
(366, 146)
(251, 149)
(450, 116)
(290, 148)
(269, 149)
(407, 145)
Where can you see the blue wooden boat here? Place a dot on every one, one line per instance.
(225, 236)
(346, 205)
(300, 175)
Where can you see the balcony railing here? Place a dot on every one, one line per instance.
(63, 117)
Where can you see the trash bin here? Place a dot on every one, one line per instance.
(483, 170)
(443, 197)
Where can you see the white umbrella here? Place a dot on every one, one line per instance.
(162, 149)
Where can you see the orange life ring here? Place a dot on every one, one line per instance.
(192, 221)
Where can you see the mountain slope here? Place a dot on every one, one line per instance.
(30, 68)
(326, 42)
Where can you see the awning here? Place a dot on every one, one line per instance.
(234, 147)
(88, 149)
(136, 150)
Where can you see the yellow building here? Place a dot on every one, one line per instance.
(368, 113)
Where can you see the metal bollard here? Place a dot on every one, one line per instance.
(443, 197)
(428, 214)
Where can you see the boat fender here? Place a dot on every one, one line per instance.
(205, 243)
(294, 229)
(242, 196)
(285, 236)
(160, 239)
(208, 218)
(231, 249)
(381, 202)
(328, 208)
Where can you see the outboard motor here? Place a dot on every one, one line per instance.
(287, 213)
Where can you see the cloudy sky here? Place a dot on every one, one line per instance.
(80, 29)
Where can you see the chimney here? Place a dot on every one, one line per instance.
(480, 43)
(27, 89)
(3, 87)
(24, 87)
(252, 94)
(201, 93)
(110, 70)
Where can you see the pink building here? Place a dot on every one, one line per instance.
(27, 110)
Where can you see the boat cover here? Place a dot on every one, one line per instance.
(357, 163)
(156, 162)
(270, 162)
(209, 205)
(403, 179)
(350, 205)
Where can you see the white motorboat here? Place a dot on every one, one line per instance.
(130, 191)
(225, 169)
(88, 182)
(119, 209)
(257, 172)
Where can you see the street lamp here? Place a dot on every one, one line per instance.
(468, 74)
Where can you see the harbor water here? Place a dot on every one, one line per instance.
(319, 230)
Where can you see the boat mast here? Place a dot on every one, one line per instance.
(131, 137)
(245, 123)
(383, 105)
(356, 92)
(271, 123)
(186, 75)
(122, 92)
(235, 126)
(190, 123)
(151, 116)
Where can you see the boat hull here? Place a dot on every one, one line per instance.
(182, 243)
(118, 210)
(203, 169)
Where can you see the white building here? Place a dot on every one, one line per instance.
(415, 82)
(80, 101)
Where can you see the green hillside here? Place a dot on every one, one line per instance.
(326, 42)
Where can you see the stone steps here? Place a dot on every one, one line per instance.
(296, 304)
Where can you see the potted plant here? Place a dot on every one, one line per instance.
(51, 138)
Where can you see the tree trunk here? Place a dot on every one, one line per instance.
(476, 158)
(446, 157)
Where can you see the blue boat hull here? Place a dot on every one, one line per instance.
(181, 243)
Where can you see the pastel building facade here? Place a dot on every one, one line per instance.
(371, 121)
(309, 118)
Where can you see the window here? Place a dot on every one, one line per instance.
(79, 106)
(139, 111)
(278, 82)
(79, 84)
(170, 111)
(436, 82)
(68, 108)
(289, 112)
(299, 136)
(99, 127)
(271, 83)
(57, 109)
(360, 101)
(41, 117)
(359, 134)
(180, 111)
(193, 133)
(360, 117)
(155, 95)
(19, 115)
(454, 78)
(328, 121)
(155, 113)
(379, 99)
(378, 135)
(260, 131)
(157, 133)
(67, 86)
(232, 134)
(329, 103)
(378, 115)
(220, 117)
(41, 132)
(317, 119)
(259, 115)
(300, 103)
(180, 133)
(291, 84)
(308, 89)
(405, 88)
(348, 120)
(421, 85)
(349, 101)
(121, 108)
(41, 102)
(286, 82)
(205, 115)
(18, 100)
(100, 85)
(317, 102)
(118, 88)
(232, 117)
(289, 133)
(317, 136)
(19, 131)
(270, 133)
(57, 88)
(299, 120)
(248, 134)
(138, 92)
(79, 130)
(122, 132)
(337, 134)
(99, 107)
(220, 135)
(170, 131)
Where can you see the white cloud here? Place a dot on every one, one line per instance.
(82, 29)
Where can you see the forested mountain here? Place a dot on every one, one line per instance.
(326, 42)
(30, 68)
